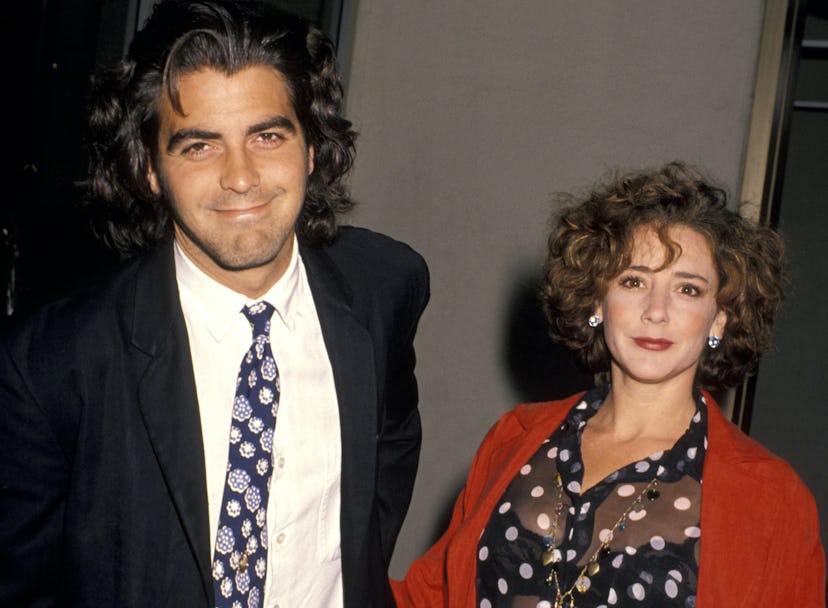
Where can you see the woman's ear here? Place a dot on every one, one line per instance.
(719, 324)
(596, 318)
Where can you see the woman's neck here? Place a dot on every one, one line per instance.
(639, 410)
(634, 421)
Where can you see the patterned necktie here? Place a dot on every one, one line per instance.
(240, 558)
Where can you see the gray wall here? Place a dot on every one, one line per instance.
(472, 115)
(790, 416)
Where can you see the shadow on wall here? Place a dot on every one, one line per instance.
(539, 369)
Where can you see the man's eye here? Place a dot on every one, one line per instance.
(271, 138)
(195, 149)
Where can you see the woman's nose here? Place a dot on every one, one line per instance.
(655, 310)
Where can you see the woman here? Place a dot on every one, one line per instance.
(597, 500)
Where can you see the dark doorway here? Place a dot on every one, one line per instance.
(52, 48)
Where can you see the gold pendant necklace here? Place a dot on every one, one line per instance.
(552, 555)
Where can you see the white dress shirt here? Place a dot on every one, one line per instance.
(304, 567)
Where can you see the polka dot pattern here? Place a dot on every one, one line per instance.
(682, 503)
(651, 558)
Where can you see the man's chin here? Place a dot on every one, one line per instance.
(238, 263)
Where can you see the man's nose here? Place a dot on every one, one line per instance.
(239, 173)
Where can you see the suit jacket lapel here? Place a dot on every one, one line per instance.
(169, 405)
(350, 350)
(168, 402)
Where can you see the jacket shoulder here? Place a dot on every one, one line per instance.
(527, 424)
(729, 442)
(529, 415)
(731, 450)
(76, 313)
(360, 249)
(378, 271)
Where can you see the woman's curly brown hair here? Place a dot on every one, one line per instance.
(183, 37)
(592, 244)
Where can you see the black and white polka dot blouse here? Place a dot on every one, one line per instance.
(652, 560)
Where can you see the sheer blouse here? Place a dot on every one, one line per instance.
(542, 535)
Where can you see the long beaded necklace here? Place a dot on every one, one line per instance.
(552, 555)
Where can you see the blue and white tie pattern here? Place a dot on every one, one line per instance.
(240, 557)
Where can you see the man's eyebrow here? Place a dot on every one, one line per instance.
(277, 122)
(274, 122)
(185, 134)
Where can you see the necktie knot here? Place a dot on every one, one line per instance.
(259, 315)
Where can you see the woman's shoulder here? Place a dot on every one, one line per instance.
(729, 445)
(728, 441)
(534, 414)
(525, 424)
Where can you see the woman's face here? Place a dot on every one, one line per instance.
(657, 322)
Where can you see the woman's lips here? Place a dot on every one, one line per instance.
(653, 343)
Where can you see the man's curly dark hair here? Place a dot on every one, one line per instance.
(592, 244)
(181, 37)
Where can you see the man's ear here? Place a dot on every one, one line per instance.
(152, 178)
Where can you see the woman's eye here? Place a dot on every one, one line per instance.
(690, 290)
(631, 282)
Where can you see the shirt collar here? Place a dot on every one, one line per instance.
(686, 457)
(220, 306)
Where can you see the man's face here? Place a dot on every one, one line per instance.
(233, 168)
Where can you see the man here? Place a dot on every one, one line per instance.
(217, 151)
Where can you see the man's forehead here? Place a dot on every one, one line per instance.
(170, 94)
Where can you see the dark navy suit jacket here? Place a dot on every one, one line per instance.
(103, 497)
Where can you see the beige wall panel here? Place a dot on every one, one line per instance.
(472, 115)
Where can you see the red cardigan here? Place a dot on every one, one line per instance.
(760, 543)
